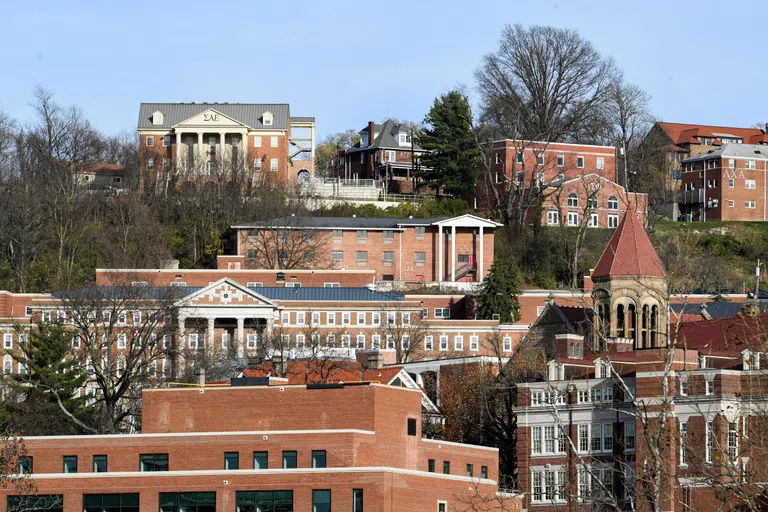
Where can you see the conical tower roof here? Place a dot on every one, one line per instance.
(629, 252)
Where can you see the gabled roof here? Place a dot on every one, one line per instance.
(732, 150)
(386, 137)
(368, 222)
(682, 133)
(249, 114)
(724, 336)
(629, 252)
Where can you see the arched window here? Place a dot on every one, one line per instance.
(571, 350)
(613, 203)
(631, 321)
(620, 320)
(303, 176)
(654, 323)
(578, 350)
(644, 334)
(573, 200)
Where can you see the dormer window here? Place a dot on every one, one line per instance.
(364, 139)
(157, 118)
(267, 119)
(404, 139)
(751, 360)
(602, 369)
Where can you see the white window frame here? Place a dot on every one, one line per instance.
(443, 342)
(150, 141)
(600, 163)
(8, 340)
(613, 220)
(346, 318)
(458, 342)
(750, 184)
(507, 344)
(273, 141)
(573, 219)
(429, 342)
(560, 160)
(553, 218)
(257, 141)
(474, 343)
(274, 164)
(360, 341)
(580, 162)
(360, 318)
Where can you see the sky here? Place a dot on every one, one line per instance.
(346, 63)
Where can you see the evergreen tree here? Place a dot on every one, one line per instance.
(500, 291)
(452, 159)
(52, 374)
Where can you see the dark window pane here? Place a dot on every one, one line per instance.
(99, 463)
(154, 462)
(70, 463)
(357, 500)
(260, 460)
(483, 471)
(231, 460)
(289, 459)
(447, 467)
(264, 501)
(39, 503)
(188, 502)
(411, 426)
(321, 500)
(318, 459)
(128, 502)
(431, 465)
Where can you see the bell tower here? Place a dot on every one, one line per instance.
(631, 290)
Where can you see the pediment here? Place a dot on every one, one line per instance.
(226, 293)
(212, 118)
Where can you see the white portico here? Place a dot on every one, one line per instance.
(223, 313)
(209, 138)
(479, 227)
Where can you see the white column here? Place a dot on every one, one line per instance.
(479, 271)
(220, 152)
(178, 150)
(240, 337)
(200, 164)
(181, 341)
(211, 333)
(440, 251)
(453, 253)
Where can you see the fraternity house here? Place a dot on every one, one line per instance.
(436, 250)
(637, 410)
(577, 182)
(318, 447)
(191, 141)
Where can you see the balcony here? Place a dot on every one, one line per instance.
(695, 196)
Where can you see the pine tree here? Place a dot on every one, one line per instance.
(452, 159)
(499, 293)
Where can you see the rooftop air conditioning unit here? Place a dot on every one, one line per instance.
(496, 316)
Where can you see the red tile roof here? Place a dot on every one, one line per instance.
(682, 133)
(326, 371)
(629, 252)
(724, 336)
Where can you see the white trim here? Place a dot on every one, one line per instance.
(207, 434)
(465, 445)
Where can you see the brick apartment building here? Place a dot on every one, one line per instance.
(727, 183)
(179, 141)
(458, 249)
(579, 181)
(325, 447)
(385, 152)
(589, 425)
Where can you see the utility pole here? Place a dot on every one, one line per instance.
(757, 280)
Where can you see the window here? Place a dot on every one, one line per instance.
(580, 162)
(573, 218)
(583, 438)
(376, 318)
(289, 459)
(613, 220)
(470, 470)
(750, 204)
(362, 234)
(390, 156)
(629, 437)
(25, 465)
(318, 459)
(710, 387)
(150, 141)
(573, 200)
(330, 318)
(153, 462)
(750, 165)
(442, 313)
(257, 141)
(458, 343)
(683, 388)
(337, 257)
(429, 342)
(362, 257)
(600, 163)
(321, 500)
(99, 463)
(361, 318)
(560, 160)
(360, 341)
(8, 341)
(597, 430)
(431, 465)
(594, 220)
(231, 460)
(357, 500)
(411, 426)
(710, 442)
(167, 141)
(733, 440)
(731, 183)
(273, 164)
(70, 463)
(186, 502)
(419, 258)
(128, 502)
(474, 343)
(405, 319)
(273, 141)
(484, 472)
(553, 217)
(443, 342)
(540, 159)
(255, 501)
(420, 230)
(446, 467)
(388, 257)
(750, 184)
(613, 203)
(507, 344)
(260, 460)
(683, 444)
(731, 203)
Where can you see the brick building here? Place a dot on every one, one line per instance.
(385, 153)
(727, 183)
(406, 250)
(578, 182)
(593, 431)
(180, 141)
(287, 448)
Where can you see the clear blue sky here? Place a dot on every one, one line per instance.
(348, 62)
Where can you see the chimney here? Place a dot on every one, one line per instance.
(371, 172)
(370, 132)
(375, 361)
(200, 376)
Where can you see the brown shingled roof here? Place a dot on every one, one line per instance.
(682, 133)
(629, 252)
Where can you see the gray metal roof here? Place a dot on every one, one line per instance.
(342, 222)
(733, 150)
(302, 119)
(247, 113)
(272, 293)
(717, 309)
(386, 138)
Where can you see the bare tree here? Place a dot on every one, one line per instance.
(288, 243)
(630, 118)
(403, 330)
